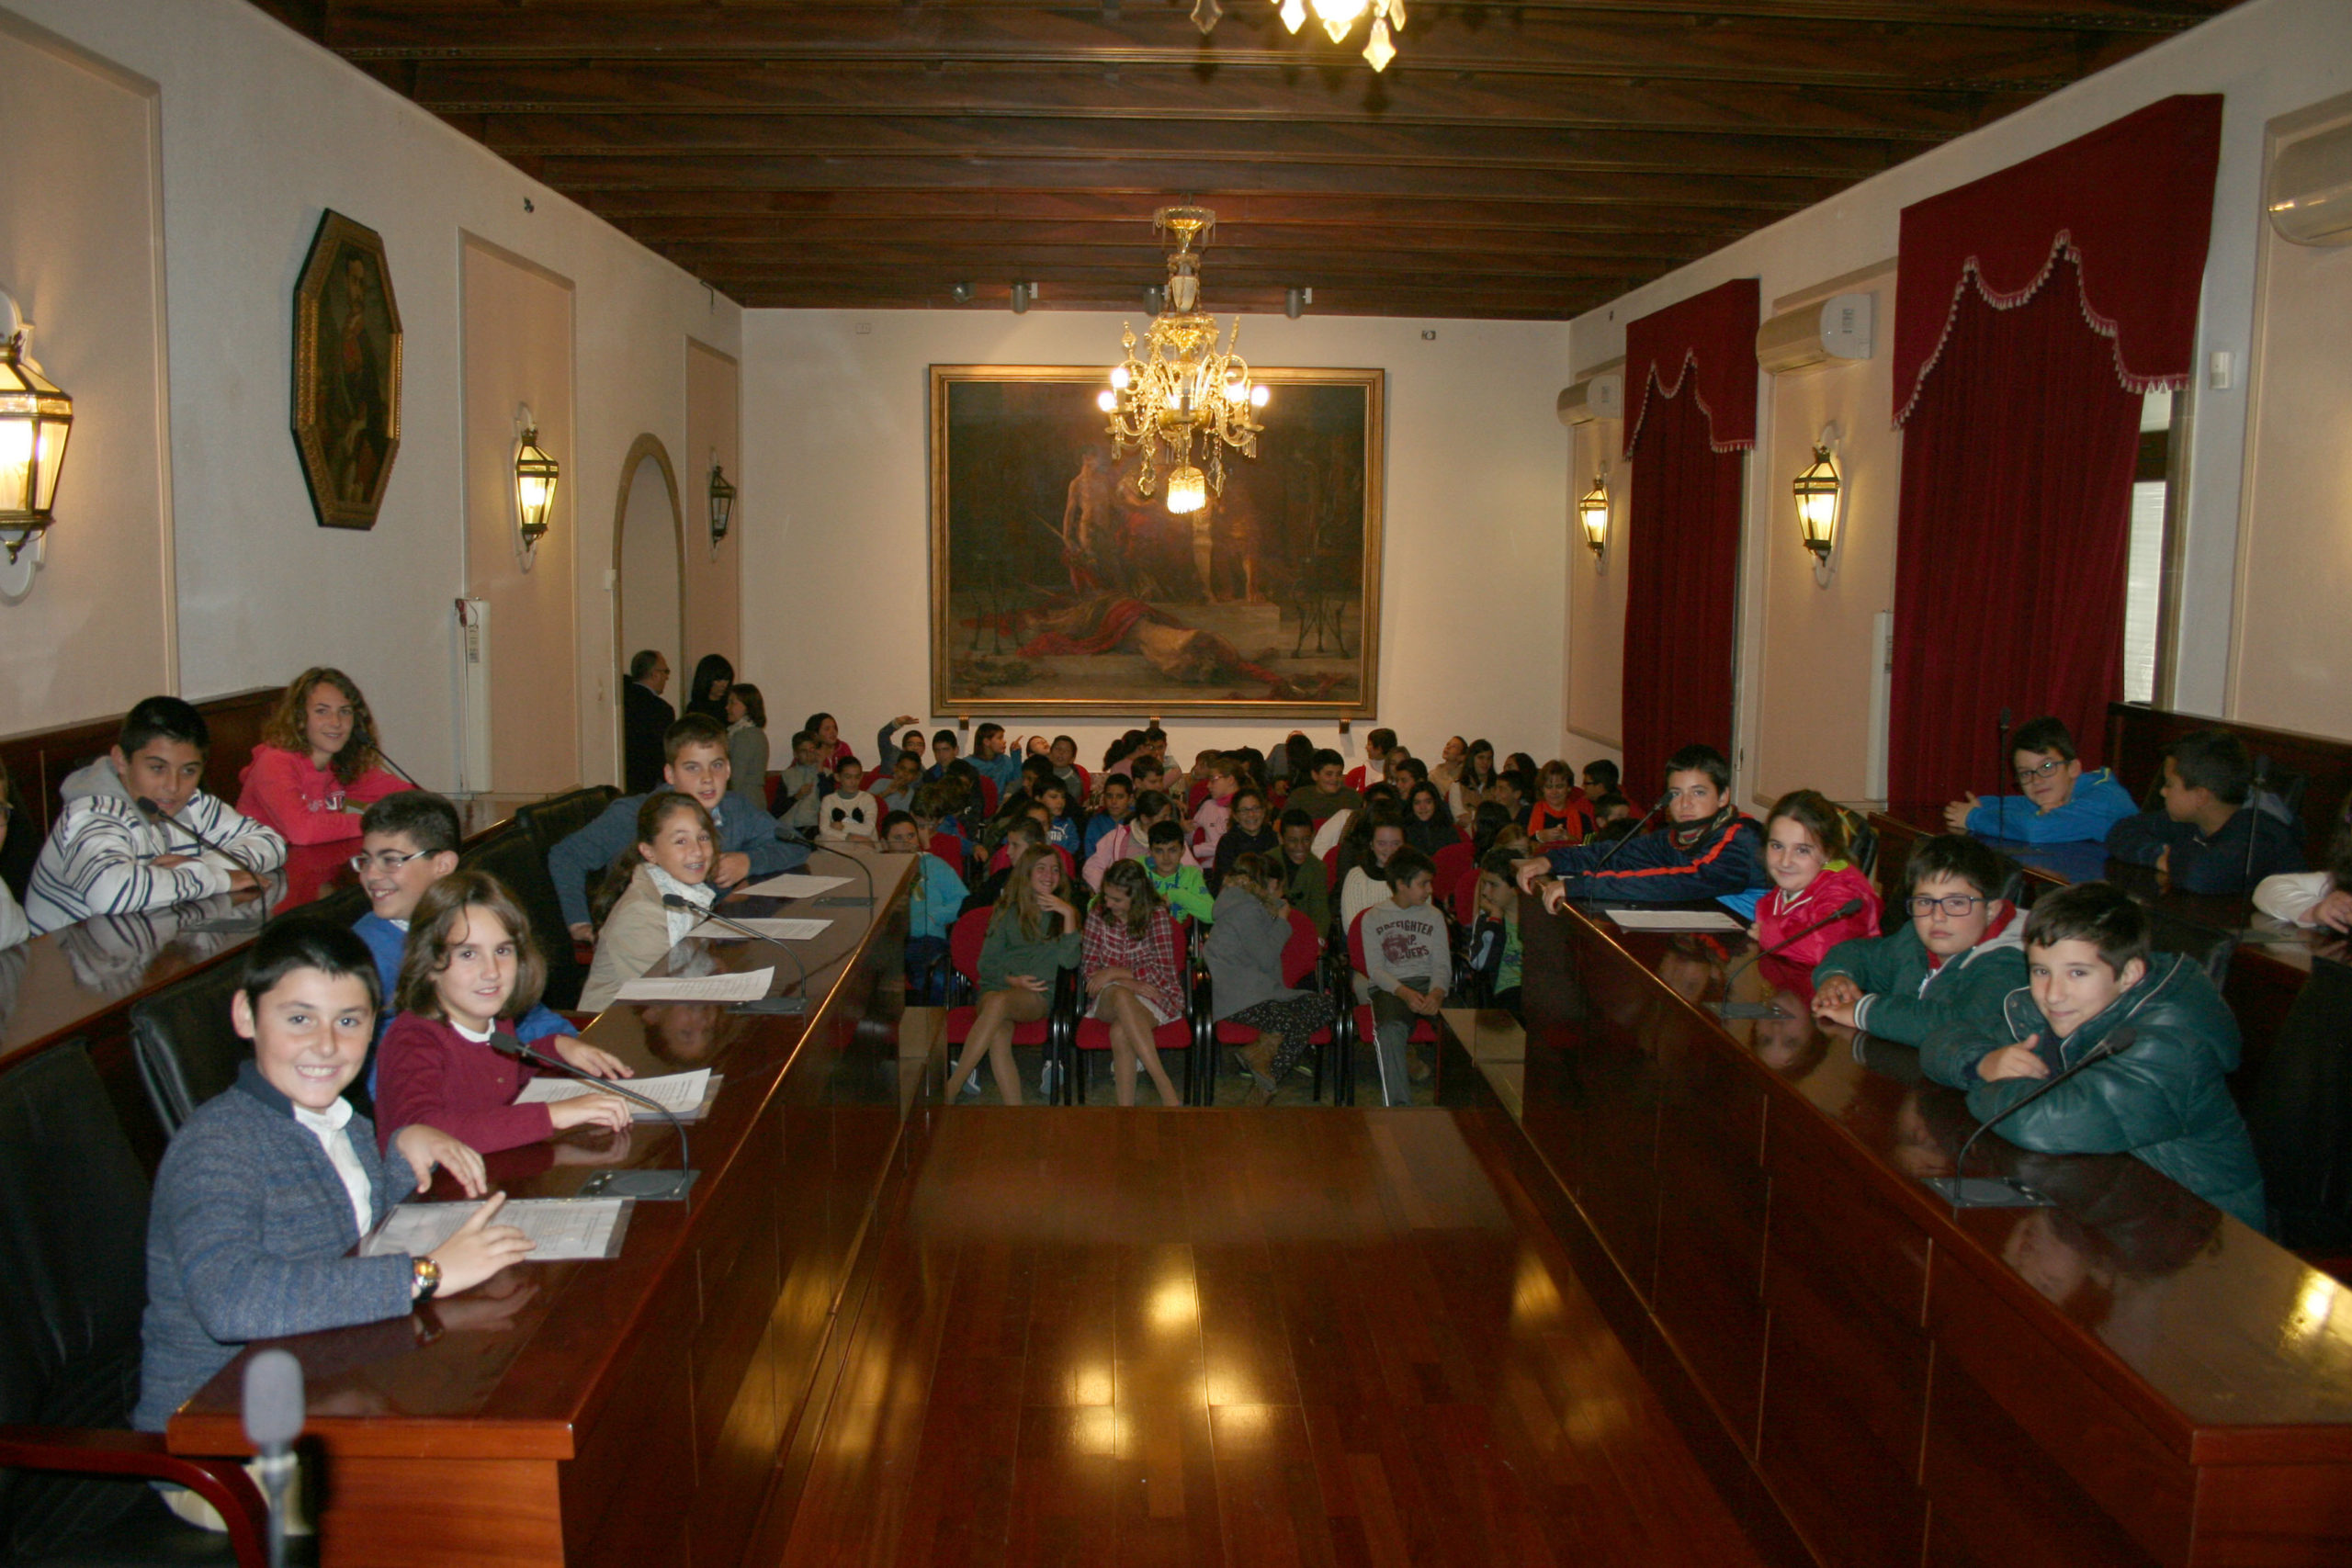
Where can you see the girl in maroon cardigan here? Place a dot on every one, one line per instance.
(470, 966)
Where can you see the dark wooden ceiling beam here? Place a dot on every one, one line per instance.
(1133, 244)
(1221, 274)
(1516, 303)
(690, 138)
(1153, 181)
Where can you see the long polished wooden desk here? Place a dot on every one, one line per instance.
(2128, 1377)
(640, 1410)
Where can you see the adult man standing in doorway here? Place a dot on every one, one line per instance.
(646, 716)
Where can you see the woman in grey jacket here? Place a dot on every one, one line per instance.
(1245, 953)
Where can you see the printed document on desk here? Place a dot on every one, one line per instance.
(1673, 921)
(682, 1095)
(794, 884)
(773, 930)
(747, 987)
(565, 1230)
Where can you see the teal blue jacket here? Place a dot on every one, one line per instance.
(2163, 1098)
(1905, 999)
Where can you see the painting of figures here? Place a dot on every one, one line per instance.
(1058, 586)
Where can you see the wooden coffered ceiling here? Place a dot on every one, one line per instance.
(1523, 160)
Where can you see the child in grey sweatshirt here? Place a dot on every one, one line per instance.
(1408, 968)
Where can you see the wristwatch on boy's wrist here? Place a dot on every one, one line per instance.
(425, 1279)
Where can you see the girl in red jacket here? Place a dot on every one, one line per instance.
(1804, 854)
(317, 769)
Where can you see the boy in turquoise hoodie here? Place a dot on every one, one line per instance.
(2062, 803)
(931, 910)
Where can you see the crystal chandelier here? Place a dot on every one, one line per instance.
(1337, 16)
(1177, 386)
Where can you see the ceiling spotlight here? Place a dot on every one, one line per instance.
(961, 294)
(1021, 294)
(1295, 302)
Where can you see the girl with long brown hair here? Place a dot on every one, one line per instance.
(317, 769)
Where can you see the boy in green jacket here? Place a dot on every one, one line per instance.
(1177, 880)
(1962, 954)
(2162, 1096)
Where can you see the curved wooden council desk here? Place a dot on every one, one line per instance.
(2130, 1377)
(634, 1410)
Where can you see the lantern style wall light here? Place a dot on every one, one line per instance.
(1819, 492)
(536, 478)
(1592, 513)
(36, 417)
(722, 505)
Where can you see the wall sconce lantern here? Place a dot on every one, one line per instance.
(722, 505)
(536, 478)
(1592, 511)
(1817, 491)
(36, 418)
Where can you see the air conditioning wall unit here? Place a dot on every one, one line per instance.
(1595, 397)
(1836, 329)
(2310, 193)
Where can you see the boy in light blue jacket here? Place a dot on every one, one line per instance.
(2062, 803)
(931, 910)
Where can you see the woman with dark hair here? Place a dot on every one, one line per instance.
(1428, 826)
(316, 769)
(1477, 777)
(747, 743)
(713, 677)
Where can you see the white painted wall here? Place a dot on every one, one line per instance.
(2266, 58)
(835, 526)
(262, 129)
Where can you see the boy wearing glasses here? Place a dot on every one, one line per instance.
(1960, 955)
(2061, 804)
(407, 842)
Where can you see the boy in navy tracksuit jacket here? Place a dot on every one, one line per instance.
(1707, 850)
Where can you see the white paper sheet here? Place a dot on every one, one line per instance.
(1673, 921)
(680, 1094)
(795, 884)
(564, 1229)
(747, 987)
(773, 930)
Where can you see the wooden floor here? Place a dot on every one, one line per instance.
(1203, 1336)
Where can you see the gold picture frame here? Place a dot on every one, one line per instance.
(347, 372)
(1056, 587)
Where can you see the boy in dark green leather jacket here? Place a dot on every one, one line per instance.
(2161, 1097)
(1955, 963)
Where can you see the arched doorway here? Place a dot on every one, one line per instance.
(648, 573)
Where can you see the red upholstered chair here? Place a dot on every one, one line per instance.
(987, 794)
(1455, 862)
(1184, 1032)
(1085, 784)
(1462, 901)
(1424, 1029)
(964, 946)
(1300, 956)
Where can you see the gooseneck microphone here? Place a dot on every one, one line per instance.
(2000, 1194)
(656, 1185)
(273, 1413)
(385, 757)
(778, 1004)
(843, 900)
(155, 813)
(2254, 820)
(1647, 817)
(1845, 912)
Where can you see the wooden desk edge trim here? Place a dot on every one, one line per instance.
(381, 1436)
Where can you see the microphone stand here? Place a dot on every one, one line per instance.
(2001, 1192)
(153, 813)
(657, 1185)
(385, 758)
(2001, 772)
(1610, 854)
(1729, 1008)
(274, 1412)
(843, 900)
(783, 1005)
(2254, 820)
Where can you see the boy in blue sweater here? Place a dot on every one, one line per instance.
(1707, 849)
(748, 841)
(2061, 804)
(266, 1189)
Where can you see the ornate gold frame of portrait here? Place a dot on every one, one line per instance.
(339, 237)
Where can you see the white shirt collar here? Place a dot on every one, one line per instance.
(333, 1119)
(481, 1039)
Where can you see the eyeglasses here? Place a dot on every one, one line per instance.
(385, 862)
(1957, 904)
(2040, 770)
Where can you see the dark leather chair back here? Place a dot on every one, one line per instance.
(551, 820)
(187, 1050)
(2208, 946)
(73, 1284)
(517, 861)
(2299, 1113)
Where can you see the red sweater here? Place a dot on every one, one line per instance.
(307, 805)
(427, 1071)
(1780, 915)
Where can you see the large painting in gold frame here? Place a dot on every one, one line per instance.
(1057, 588)
(347, 372)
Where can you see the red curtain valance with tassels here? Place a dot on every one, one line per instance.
(1711, 340)
(2132, 203)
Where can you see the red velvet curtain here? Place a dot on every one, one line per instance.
(1692, 371)
(2014, 535)
(1681, 581)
